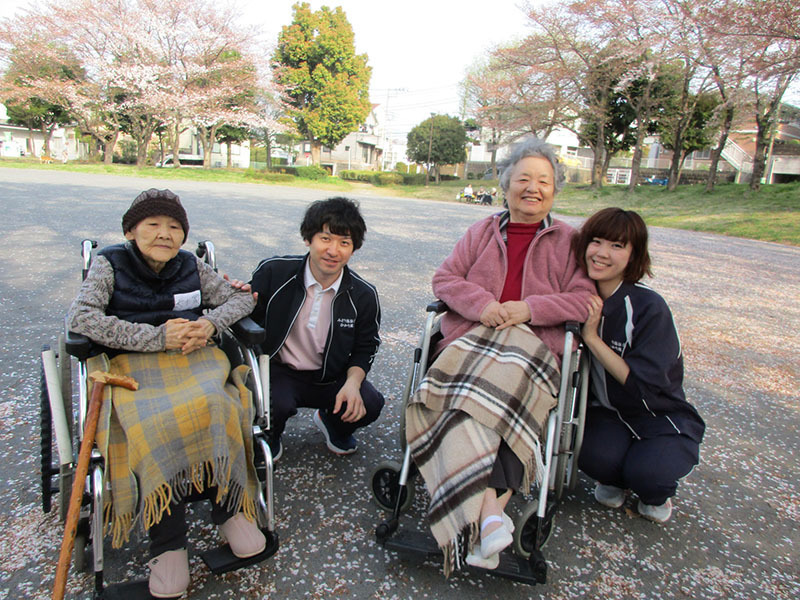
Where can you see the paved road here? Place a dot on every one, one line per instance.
(734, 533)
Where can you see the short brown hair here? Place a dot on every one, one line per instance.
(616, 225)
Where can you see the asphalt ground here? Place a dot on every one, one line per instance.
(734, 531)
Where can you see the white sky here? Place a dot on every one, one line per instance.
(423, 47)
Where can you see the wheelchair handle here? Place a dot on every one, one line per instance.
(437, 306)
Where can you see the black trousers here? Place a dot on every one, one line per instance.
(170, 532)
(507, 470)
(290, 390)
(650, 467)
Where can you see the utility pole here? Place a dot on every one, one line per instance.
(430, 145)
(386, 124)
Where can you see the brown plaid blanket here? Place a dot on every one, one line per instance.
(187, 426)
(485, 386)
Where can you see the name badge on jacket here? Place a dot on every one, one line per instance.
(187, 301)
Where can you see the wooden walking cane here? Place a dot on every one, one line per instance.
(100, 380)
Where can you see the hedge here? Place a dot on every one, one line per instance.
(265, 175)
(352, 175)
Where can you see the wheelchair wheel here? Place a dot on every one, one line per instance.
(526, 528)
(80, 550)
(577, 442)
(384, 483)
(46, 439)
(562, 462)
(66, 472)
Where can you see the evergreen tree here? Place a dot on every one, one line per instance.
(326, 84)
(438, 140)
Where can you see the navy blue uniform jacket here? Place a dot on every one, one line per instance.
(638, 325)
(353, 337)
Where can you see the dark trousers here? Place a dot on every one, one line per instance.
(290, 390)
(650, 467)
(507, 470)
(170, 532)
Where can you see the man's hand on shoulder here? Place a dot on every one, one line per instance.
(240, 285)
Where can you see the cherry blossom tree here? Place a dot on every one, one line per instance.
(32, 89)
(147, 64)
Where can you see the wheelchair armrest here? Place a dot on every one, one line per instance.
(248, 332)
(573, 327)
(437, 306)
(77, 345)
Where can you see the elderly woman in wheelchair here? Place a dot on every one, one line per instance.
(185, 433)
(474, 424)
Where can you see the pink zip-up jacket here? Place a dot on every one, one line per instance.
(474, 274)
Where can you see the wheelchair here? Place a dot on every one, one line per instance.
(59, 429)
(393, 487)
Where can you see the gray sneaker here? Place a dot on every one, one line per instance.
(609, 495)
(659, 514)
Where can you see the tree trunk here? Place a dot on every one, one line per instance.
(316, 152)
(143, 132)
(47, 133)
(760, 158)
(176, 143)
(717, 152)
(636, 161)
(764, 125)
(268, 149)
(230, 157)
(607, 161)
(110, 143)
(678, 157)
(598, 172)
(33, 143)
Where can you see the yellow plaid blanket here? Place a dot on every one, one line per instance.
(486, 386)
(187, 426)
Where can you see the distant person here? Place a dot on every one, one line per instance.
(322, 321)
(641, 434)
(468, 193)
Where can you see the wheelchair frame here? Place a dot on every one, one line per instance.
(56, 413)
(393, 487)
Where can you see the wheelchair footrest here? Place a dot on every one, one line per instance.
(221, 560)
(131, 590)
(511, 566)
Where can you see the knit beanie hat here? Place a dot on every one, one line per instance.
(152, 203)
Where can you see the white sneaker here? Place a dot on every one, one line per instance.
(609, 495)
(475, 559)
(659, 514)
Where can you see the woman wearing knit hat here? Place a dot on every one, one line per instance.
(152, 311)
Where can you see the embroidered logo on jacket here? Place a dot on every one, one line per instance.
(344, 323)
(617, 347)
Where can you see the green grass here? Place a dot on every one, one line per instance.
(771, 214)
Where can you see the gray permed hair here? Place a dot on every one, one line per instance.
(531, 147)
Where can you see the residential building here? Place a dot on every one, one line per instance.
(361, 150)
